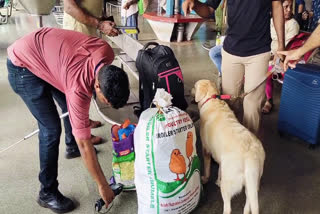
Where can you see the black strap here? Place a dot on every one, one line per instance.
(149, 44)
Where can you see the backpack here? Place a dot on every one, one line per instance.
(159, 68)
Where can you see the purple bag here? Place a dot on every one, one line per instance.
(122, 147)
(123, 159)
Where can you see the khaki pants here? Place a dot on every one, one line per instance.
(254, 69)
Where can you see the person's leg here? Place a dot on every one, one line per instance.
(232, 71)
(255, 72)
(60, 98)
(135, 23)
(269, 90)
(72, 150)
(269, 85)
(215, 55)
(36, 95)
(132, 21)
(123, 21)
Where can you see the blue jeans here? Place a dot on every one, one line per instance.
(39, 97)
(215, 55)
(131, 21)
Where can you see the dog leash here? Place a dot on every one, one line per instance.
(276, 70)
(220, 97)
(233, 97)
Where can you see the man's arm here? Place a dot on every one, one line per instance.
(90, 160)
(278, 21)
(71, 7)
(295, 55)
(203, 10)
(129, 3)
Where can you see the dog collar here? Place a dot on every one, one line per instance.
(220, 97)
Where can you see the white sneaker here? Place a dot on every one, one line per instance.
(209, 44)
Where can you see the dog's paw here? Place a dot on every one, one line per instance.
(204, 179)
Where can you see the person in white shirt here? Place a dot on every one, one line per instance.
(291, 29)
(291, 26)
(129, 14)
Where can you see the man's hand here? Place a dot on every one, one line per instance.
(277, 55)
(292, 57)
(106, 194)
(90, 160)
(187, 6)
(107, 27)
(126, 6)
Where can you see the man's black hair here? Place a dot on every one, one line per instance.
(114, 84)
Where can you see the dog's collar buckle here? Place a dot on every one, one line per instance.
(220, 97)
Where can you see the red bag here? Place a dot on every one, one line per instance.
(298, 41)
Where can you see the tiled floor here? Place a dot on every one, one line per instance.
(290, 184)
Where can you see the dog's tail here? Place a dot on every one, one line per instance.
(252, 176)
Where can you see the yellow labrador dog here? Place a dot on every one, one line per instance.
(238, 152)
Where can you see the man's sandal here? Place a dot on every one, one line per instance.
(96, 140)
(267, 108)
(94, 124)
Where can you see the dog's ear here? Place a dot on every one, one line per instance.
(200, 92)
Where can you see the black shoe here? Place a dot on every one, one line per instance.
(74, 152)
(56, 202)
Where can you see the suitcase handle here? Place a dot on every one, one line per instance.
(149, 44)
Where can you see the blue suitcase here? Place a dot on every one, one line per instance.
(299, 113)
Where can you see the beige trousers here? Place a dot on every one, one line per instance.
(254, 69)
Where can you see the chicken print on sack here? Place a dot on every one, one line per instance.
(177, 164)
(189, 146)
